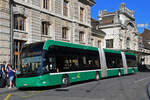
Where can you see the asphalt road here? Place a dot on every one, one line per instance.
(131, 87)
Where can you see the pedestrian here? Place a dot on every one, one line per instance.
(11, 74)
(3, 68)
(3, 78)
(0, 70)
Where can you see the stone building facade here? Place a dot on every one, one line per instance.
(41, 20)
(97, 36)
(145, 48)
(120, 29)
(4, 31)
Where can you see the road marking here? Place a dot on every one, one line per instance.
(141, 79)
(7, 97)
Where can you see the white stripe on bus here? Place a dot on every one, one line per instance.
(81, 71)
(74, 72)
(114, 68)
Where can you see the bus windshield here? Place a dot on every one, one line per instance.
(31, 58)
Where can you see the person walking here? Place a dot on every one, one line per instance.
(11, 74)
(3, 68)
(0, 70)
(3, 78)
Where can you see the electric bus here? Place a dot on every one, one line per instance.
(53, 63)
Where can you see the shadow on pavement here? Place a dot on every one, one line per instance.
(38, 88)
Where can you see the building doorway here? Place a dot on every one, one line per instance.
(18, 44)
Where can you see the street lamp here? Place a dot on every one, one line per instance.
(11, 2)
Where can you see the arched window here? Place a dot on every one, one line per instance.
(128, 43)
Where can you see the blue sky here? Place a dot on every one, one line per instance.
(141, 9)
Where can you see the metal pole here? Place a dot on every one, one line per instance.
(11, 32)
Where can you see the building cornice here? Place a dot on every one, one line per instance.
(92, 2)
(98, 34)
(89, 2)
(132, 18)
(109, 26)
(29, 5)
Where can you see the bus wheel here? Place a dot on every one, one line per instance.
(133, 71)
(119, 74)
(65, 81)
(97, 76)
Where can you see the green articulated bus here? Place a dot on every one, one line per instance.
(59, 63)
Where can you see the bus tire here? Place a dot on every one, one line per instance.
(65, 81)
(97, 76)
(133, 71)
(119, 74)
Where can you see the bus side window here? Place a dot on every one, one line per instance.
(131, 61)
(51, 64)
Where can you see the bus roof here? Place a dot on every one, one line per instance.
(127, 53)
(49, 43)
(112, 51)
